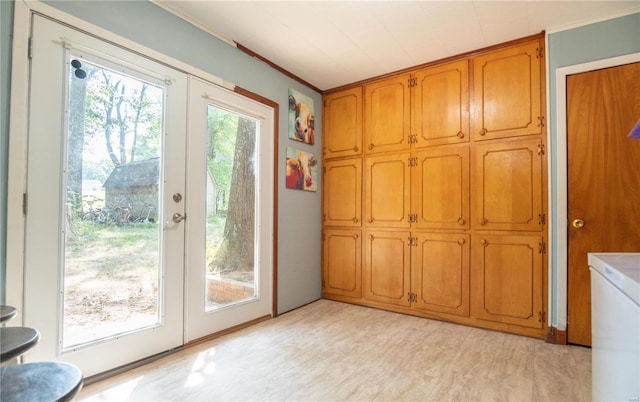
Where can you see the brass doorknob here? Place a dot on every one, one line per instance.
(577, 223)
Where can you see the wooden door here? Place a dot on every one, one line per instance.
(387, 266)
(387, 191)
(440, 188)
(603, 179)
(342, 123)
(507, 185)
(507, 277)
(440, 273)
(387, 115)
(342, 193)
(440, 105)
(341, 262)
(507, 92)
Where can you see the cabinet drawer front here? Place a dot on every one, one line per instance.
(387, 115)
(440, 105)
(387, 191)
(341, 262)
(507, 90)
(343, 123)
(506, 277)
(440, 191)
(387, 267)
(507, 186)
(342, 193)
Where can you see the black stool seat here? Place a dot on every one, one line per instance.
(7, 313)
(14, 341)
(40, 381)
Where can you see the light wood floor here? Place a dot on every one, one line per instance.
(334, 351)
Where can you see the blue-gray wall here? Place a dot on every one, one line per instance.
(299, 243)
(602, 40)
(6, 32)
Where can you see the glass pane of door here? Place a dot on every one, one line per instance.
(112, 240)
(231, 188)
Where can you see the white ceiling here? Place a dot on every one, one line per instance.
(332, 43)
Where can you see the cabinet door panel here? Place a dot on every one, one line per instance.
(507, 180)
(387, 191)
(387, 267)
(387, 115)
(342, 193)
(341, 262)
(440, 108)
(440, 188)
(342, 123)
(440, 273)
(506, 279)
(507, 92)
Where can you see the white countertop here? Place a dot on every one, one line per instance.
(621, 269)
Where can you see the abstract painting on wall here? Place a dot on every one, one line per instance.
(302, 170)
(301, 118)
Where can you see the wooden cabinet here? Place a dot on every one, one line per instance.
(507, 185)
(387, 267)
(342, 184)
(342, 262)
(440, 104)
(342, 116)
(452, 193)
(440, 184)
(440, 272)
(507, 92)
(507, 276)
(387, 191)
(387, 115)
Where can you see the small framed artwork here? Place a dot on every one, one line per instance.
(302, 170)
(301, 118)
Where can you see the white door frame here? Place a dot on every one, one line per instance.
(560, 143)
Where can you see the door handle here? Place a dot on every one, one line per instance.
(178, 217)
(577, 223)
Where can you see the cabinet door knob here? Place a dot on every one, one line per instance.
(460, 134)
(483, 131)
(578, 223)
(371, 146)
(355, 220)
(461, 221)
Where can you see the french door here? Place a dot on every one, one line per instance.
(110, 186)
(230, 187)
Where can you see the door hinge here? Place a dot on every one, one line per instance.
(540, 121)
(412, 138)
(542, 316)
(413, 82)
(541, 149)
(24, 203)
(413, 161)
(542, 247)
(412, 241)
(30, 48)
(413, 218)
(542, 219)
(539, 52)
(413, 297)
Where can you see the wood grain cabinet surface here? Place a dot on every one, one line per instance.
(342, 116)
(507, 92)
(342, 262)
(452, 193)
(342, 195)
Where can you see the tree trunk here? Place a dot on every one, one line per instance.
(236, 251)
(78, 92)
